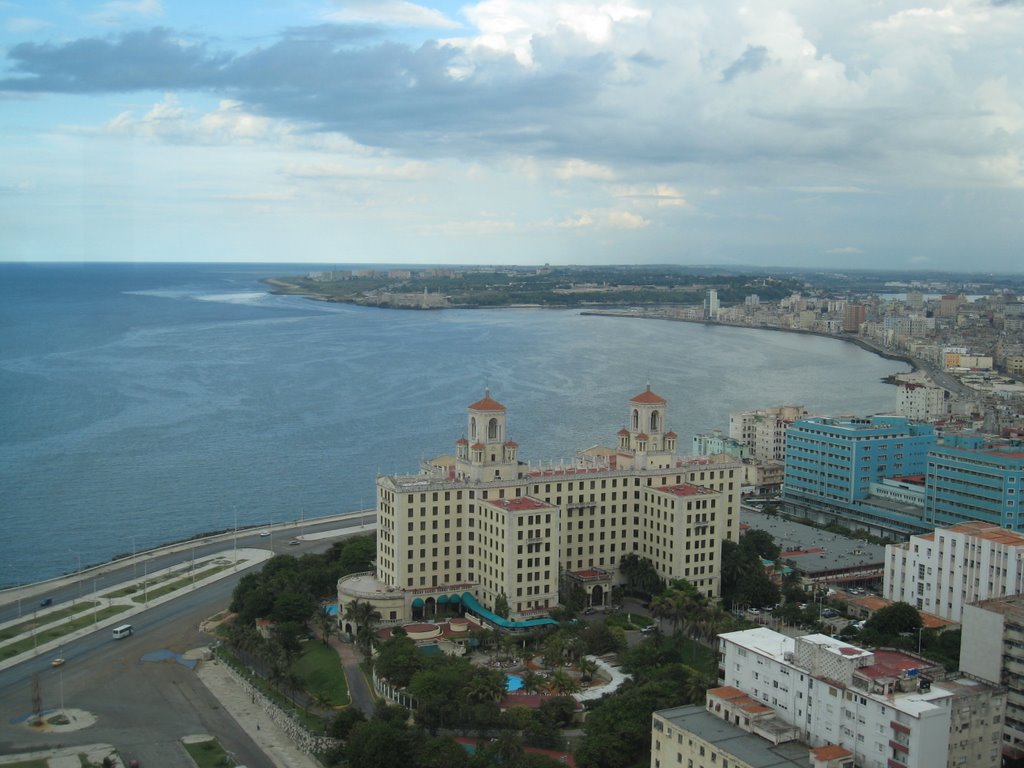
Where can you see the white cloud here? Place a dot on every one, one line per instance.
(849, 249)
(122, 10)
(660, 195)
(604, 219)
(392, 12)
(581, 169)
(24, 25)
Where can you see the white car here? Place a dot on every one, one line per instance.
(264, 533)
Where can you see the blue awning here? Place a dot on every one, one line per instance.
(473, 604)
(442, 599)
(454, 599)
(417, 602)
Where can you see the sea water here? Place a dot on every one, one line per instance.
(142, 404)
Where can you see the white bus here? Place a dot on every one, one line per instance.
(123, 631)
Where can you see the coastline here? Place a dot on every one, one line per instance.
(862, 343)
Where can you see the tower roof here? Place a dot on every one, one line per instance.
(648, 398)
(487, 403)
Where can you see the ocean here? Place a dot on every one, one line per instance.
(146, 403)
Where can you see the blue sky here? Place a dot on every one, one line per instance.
(800, 133)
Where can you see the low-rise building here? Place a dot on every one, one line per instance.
(889, 708)
(944, 571)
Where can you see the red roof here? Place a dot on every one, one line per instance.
(672, 435)
(462, 441)
(891, 664)
(478, 446)
(623, 431)
(511, 444)
(487, 403)
(648, 398)
(642, 436)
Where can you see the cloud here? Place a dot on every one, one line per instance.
(660, 195)
(391, 12)
(752, 60)
(119, 10)
(581, 169)
(22, 25)
(604, 219)
(847, 249)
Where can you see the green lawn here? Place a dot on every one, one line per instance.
(28, 764)
(44, 618)
(59, 630)
(628, 621)
(208, 754)
(321, 673)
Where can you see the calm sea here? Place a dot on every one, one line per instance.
(142, 404)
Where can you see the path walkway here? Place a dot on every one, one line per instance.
(358, 688)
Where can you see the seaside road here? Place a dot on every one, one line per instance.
(143, 696)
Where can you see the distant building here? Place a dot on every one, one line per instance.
(714, 443)
(854, 315)
(992, 649)
(943, 571)
(921, 403)
(711, 305)
(764, 429)
(888, 708)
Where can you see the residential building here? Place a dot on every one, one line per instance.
(714, 443)
(921, 403)
(854, 315)
(972, 477)
(944, 571)
(831, 464)
(706, 737)
(992, 649)
(711, 305)
(764, 429)
(889, 708)
(482, 527)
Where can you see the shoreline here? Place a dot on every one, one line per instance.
(862, 343)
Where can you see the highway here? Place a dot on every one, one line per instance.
(141, 707)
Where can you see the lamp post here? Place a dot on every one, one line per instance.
(235, 540)
(95, 600)
(78, 573)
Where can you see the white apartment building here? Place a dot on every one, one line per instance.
(890, 709)
(943, 571)
(992, 649)
(482, 525)
(921, 403)
(764, 430)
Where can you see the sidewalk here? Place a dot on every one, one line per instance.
(239, 702)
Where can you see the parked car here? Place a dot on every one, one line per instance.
(753, 611)
(588, 610)
(649, 628)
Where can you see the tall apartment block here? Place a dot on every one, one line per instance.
(944, 571)
(764, 430)
(970, 477)
(920, 403)
(889, 708)
(992, 649)
(481, 526)
(831, 464)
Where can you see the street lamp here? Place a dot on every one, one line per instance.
(235, 541)
(78, 573)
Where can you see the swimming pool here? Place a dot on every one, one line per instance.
(513, 683)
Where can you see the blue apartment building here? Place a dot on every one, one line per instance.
(970, 478)
(832, 462)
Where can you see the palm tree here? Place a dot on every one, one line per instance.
(532, 682)
(485, 687)
(364, 616)
(325, 623)
(588, 668)
(564, 684)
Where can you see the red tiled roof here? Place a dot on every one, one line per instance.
(487, 403)
(648, 398)
(642, 436)
(672, 435)
(830, 752)
(478, 446)
(891, 664)
(623, 431)
(462, 441)
(511, 444)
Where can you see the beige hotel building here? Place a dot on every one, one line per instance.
(481, 523)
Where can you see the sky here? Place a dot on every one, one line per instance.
(840, 134)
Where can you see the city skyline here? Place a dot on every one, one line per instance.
(836, 136)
